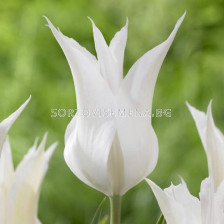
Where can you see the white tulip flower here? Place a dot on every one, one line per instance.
(20, 188)
(177, 204)
(213, 142)
(212, 188)
(112, 153)
(180, 207)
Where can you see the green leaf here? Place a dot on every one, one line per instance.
(104, 220)
(161, 220)
(96, 218)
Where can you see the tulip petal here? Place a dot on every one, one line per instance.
(171, 209)
(71, 153)
(137, 138)
(219, 204)
(93, 135)
(71, 127)
(109, 66)
(49, 152)
(6, 178)
(139, 147)
(215, 150)
(117, 47)
(89, 164)
(86, 77)
(25, 189)
(207, 201)
(213, 142)
(6, 165)
(22, 204)
(200, 120)
(191, 204)
(36, 161)
(6, 124)
(140, 81)
(3, 204)
(74, 44)
(212, 203)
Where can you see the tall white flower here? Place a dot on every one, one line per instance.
(213, 142)
(177, 204)
(20, 188)
(112, 153)
(212, 188)
(180, 207)
(6, 168)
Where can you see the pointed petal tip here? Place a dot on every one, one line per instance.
(90, 19)
(150, 183)
(54, 145)
(146, 179)
(154, 187)
(36, 141)
(209, 109)
(190, 107)
(43, 143)
(20, 109)
(95, 28)
(49, 23)
(180, 20)
(49, 152)
(127, 22)
(45, 17)
(6, 124)
(188, 104)
(183, 16)
(27, 101)
(209, 113)
(45, 135)
(24, 104)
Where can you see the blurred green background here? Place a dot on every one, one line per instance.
(31, 62)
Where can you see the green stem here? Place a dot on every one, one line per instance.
(115, 209)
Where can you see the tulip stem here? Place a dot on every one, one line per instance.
(115, 209)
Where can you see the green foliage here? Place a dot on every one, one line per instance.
(105, 220)
(97, 216)
(161, 220)
(33, 63)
